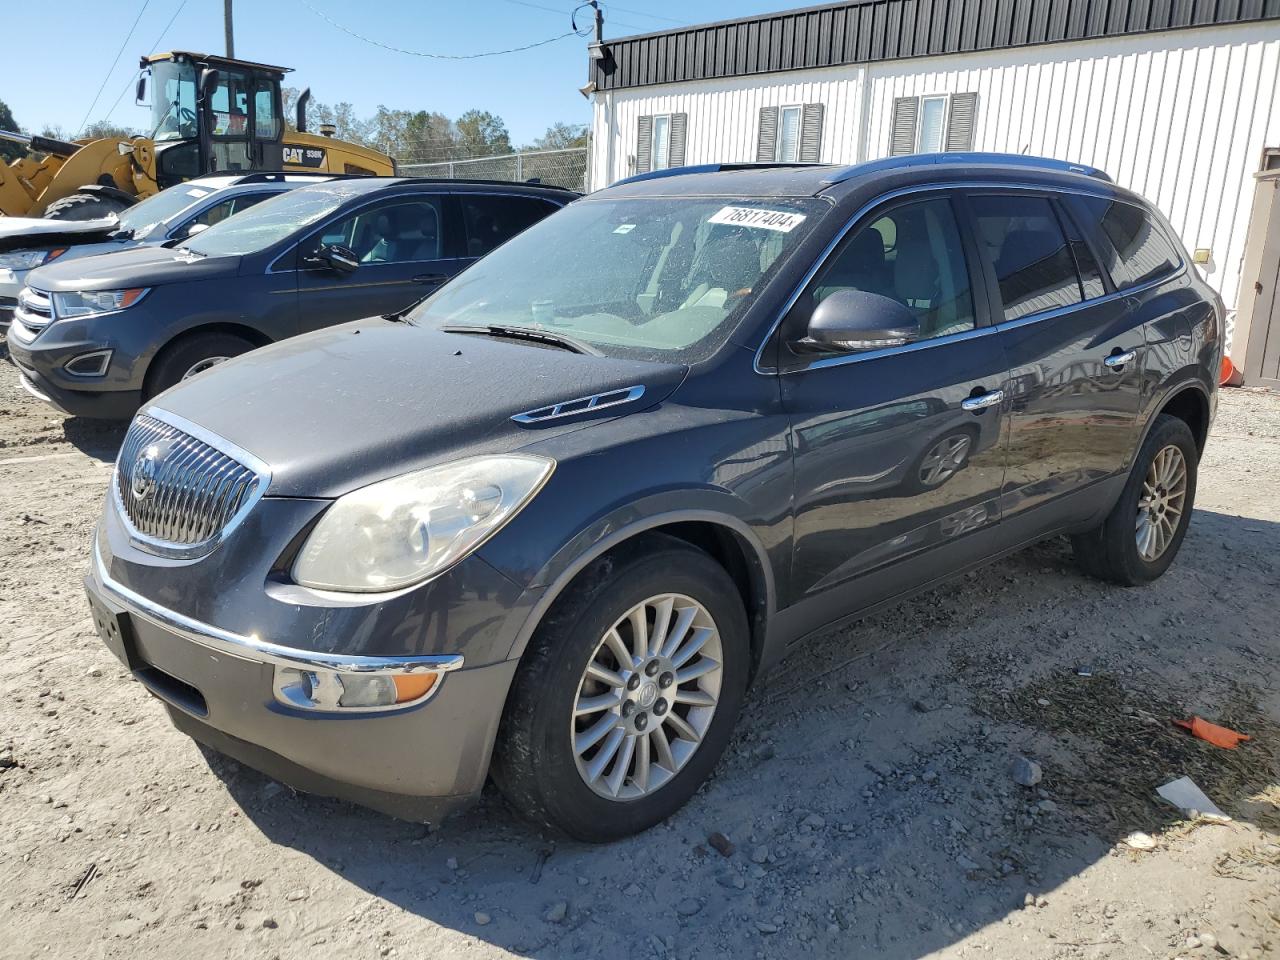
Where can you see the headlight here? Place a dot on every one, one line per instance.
(86, 303)
(403, 530)
(29, 259)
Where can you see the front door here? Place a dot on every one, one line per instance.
(1075, 350)
(404, 248)
(896, 451)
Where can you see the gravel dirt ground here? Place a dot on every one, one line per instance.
(868, 805)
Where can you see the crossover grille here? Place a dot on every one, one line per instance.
(178, 492)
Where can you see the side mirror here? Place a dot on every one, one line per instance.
(208, 83)
(857, 320)
(140, 91)
(335, 257)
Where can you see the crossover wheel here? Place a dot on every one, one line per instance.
(188, 357)
(1141, 536)
(628, 693)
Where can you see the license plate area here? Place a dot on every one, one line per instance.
(113, 630)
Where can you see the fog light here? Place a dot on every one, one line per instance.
(89, 364)
(337, 691)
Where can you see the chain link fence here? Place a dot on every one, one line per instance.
(561, 168)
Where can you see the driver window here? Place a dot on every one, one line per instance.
(913, 254)
(266, 123)
(230, 105)
(395, 233)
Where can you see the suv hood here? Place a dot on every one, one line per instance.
(21, 233)
(134, 267)
(354, 404)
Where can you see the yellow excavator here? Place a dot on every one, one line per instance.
(209, 114)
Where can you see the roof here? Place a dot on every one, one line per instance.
(214, 59)
(863, 31)
(778, 180)
(352, 184)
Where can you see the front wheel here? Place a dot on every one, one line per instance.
(1142, 535)
(628, 693)
(190, 356)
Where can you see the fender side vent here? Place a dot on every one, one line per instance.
(569, 408)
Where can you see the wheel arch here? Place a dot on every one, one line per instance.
(725, 538)
(252, 334)
(1189, 402)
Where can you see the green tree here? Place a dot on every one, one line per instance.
(482, 134)
(9, 151)
(562, 136)
(105, 129)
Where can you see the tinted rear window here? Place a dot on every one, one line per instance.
(1137, 249)
(493, 220)
(1022, 238)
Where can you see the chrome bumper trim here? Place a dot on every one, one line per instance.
(255, 648)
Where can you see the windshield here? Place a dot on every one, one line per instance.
(145, 214)
(660, 279)
(173, 101)
(267, 223)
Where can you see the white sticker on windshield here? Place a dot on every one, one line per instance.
(779, 220)
(625, 228)
(194, 192)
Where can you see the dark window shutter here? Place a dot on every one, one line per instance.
(644, 143)
(675, 156)
(906, 111)
(767, 137)
(811, 133)
(963, 113)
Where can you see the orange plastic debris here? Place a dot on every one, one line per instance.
(1219, 736)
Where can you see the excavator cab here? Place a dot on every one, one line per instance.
(212, 115)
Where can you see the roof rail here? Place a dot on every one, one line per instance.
(970, 159)
(708, 168)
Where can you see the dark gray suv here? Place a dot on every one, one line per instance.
(98, 338)
(552, 523)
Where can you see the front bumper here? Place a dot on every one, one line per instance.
(419, 762)
(96, 405)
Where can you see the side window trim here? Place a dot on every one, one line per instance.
(984, 318)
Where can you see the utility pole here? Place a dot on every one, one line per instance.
(226, 18)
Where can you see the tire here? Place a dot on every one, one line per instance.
(536, 763)
(177, 359)
(1111, 551)
(84, 206)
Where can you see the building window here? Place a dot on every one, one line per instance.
(933, 124)
(660, 140)
(789, 134)
(660, 158)
(933, 116)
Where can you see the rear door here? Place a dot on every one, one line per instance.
(1075, 349)
(896, 451)
(407, 247)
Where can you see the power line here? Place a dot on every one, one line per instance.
(111, 69)
(433, 56)
(560, 12)
(641, 13)
(154, 46)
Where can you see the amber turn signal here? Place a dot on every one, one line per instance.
(413, 686)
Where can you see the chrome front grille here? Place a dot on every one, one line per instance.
(34, 312)
(179, 492)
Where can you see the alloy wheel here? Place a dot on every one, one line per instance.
(1161, 503)
(203, 365)
(647, 697)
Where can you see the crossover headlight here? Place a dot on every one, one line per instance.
(404, 530)
(29, 259)
(87, 303)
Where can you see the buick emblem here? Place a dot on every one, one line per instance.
(145, 470)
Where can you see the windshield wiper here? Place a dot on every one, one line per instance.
(501, 331)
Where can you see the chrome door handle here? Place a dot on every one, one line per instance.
(983, 401)
(1120, 359)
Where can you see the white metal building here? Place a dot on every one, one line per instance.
(1175, 99)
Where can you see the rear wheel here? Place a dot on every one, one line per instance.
(188, 357)
(85, 206)
(1142, 535)
(628, 693)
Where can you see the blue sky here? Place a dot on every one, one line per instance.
(529, 90)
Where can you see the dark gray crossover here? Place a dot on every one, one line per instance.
(98, 338)
(549, 525)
